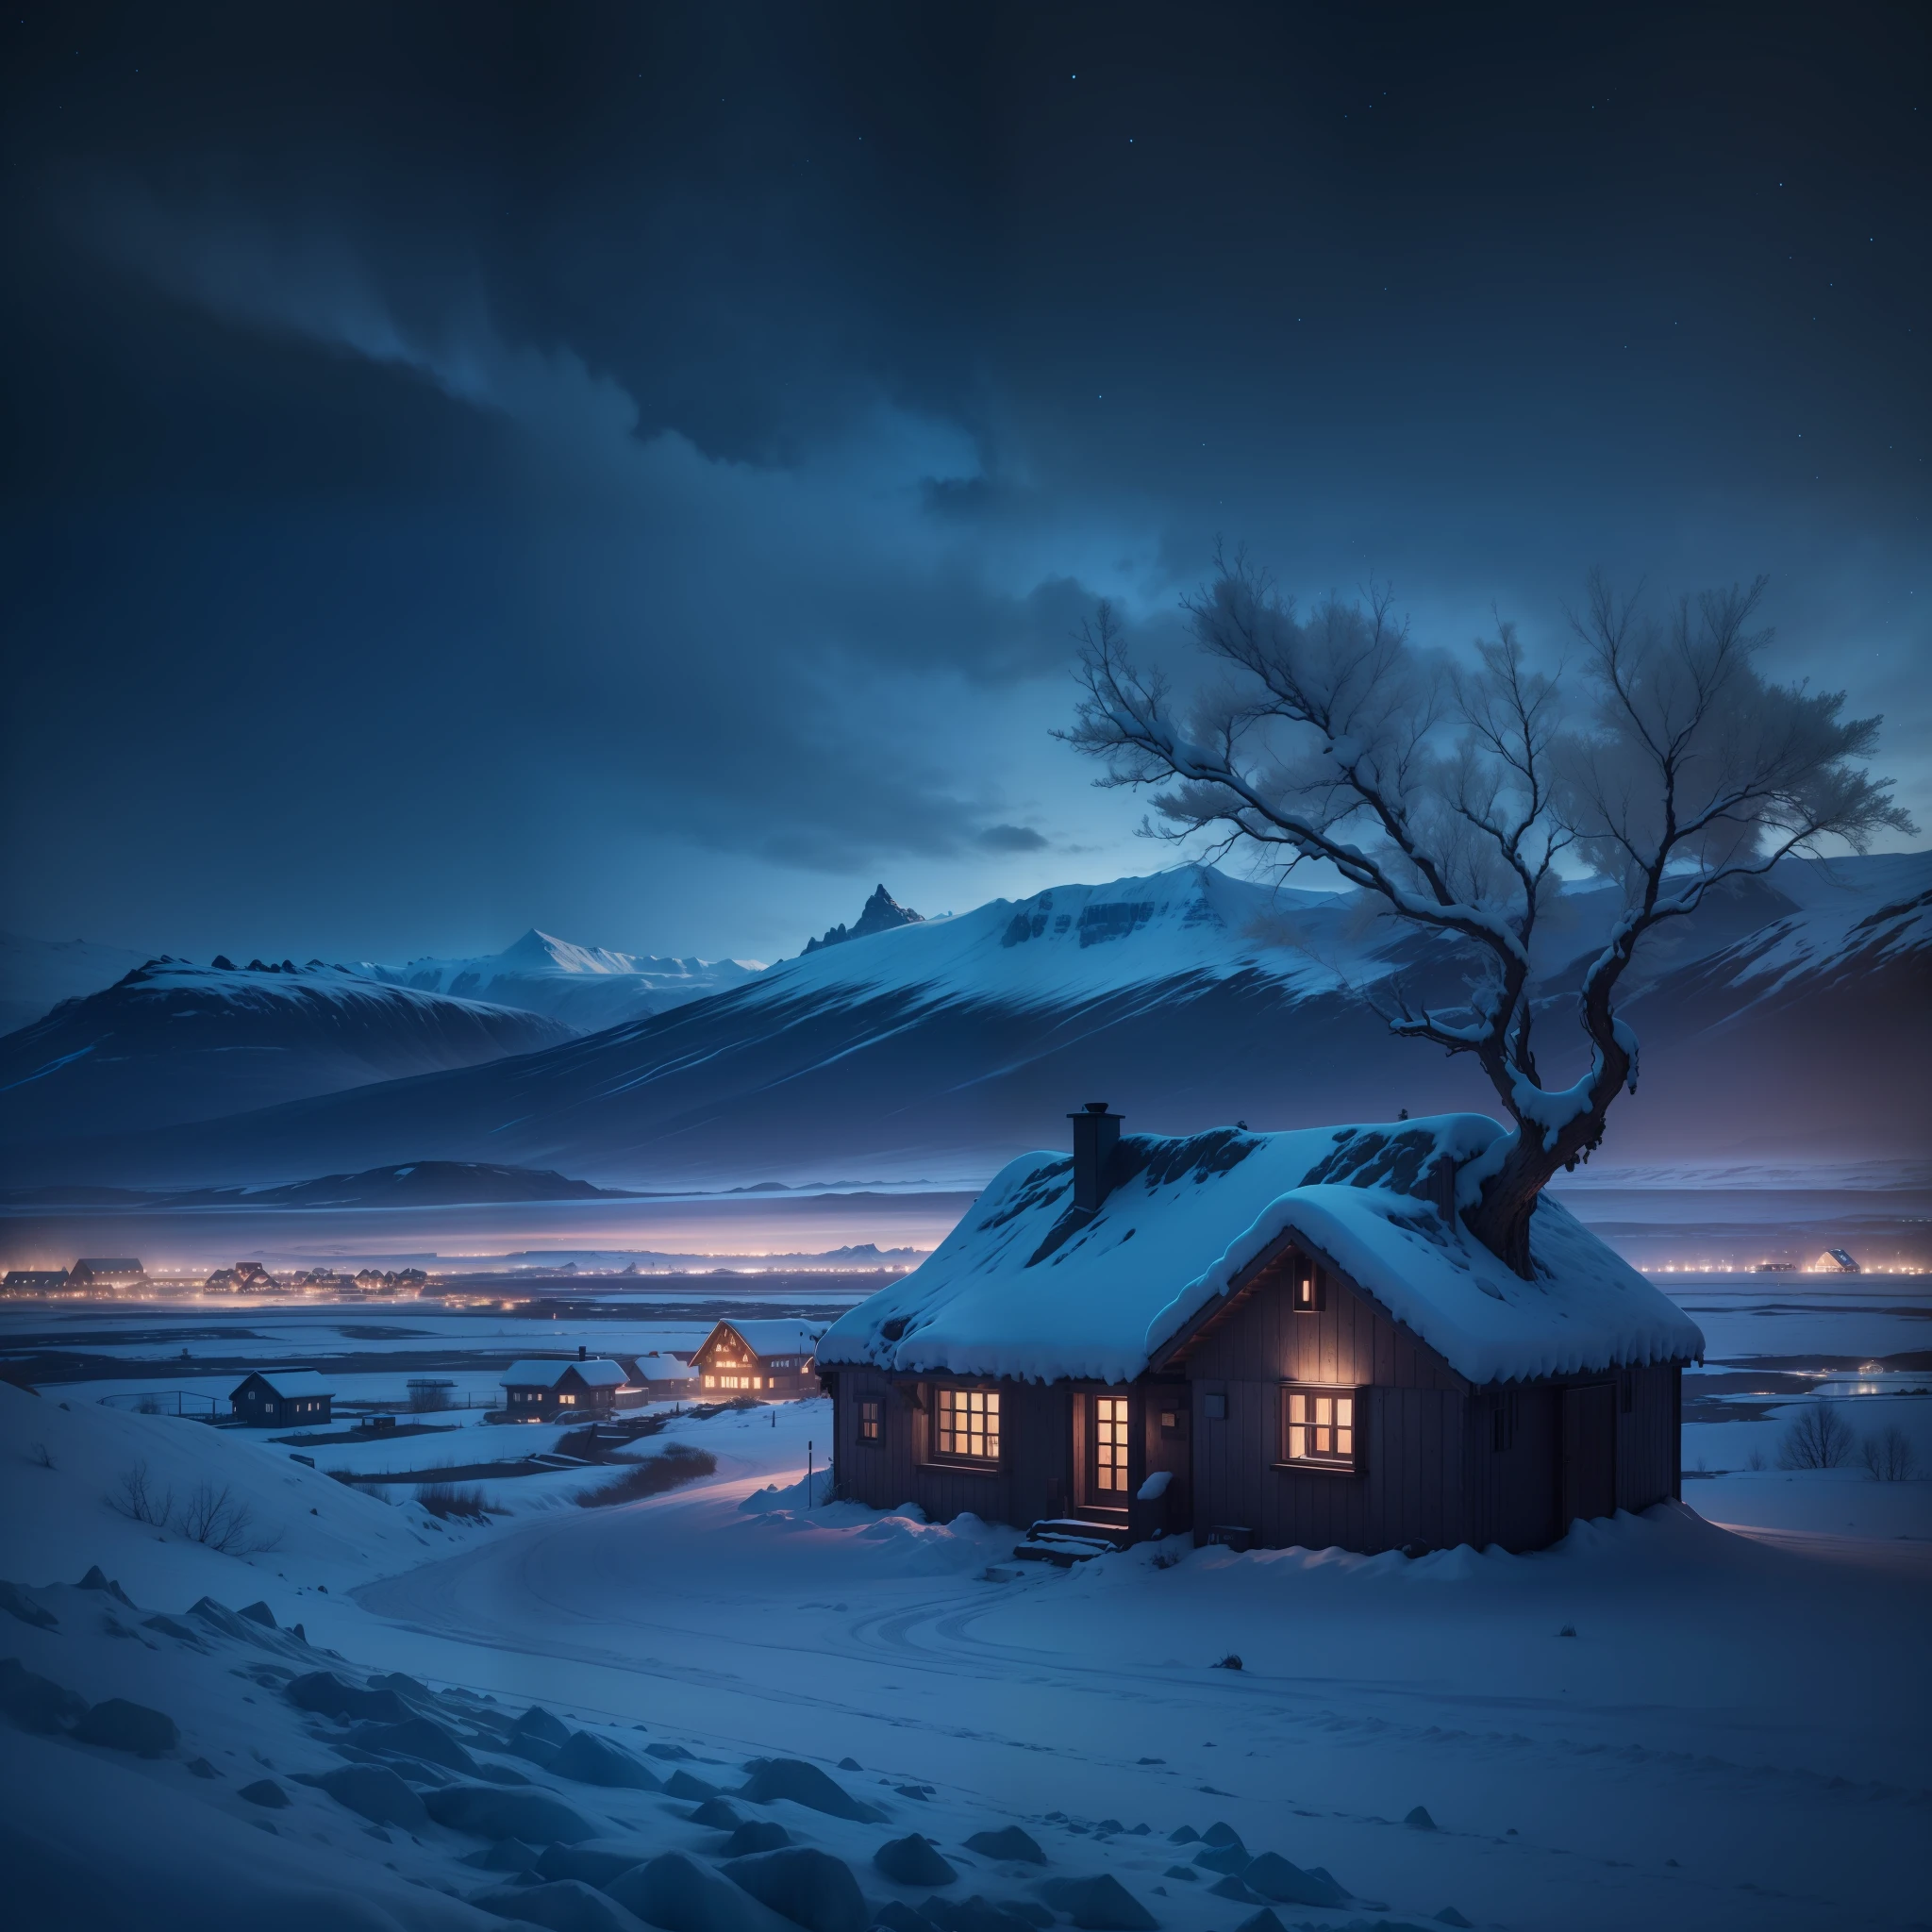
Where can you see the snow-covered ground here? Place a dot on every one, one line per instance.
(1734, 1736)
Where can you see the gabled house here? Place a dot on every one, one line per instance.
(561, 1390)
(1261, 1339)
(279, 1398)
(118, 1271)
(773, 1356)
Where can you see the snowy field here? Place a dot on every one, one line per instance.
(1663, 1720)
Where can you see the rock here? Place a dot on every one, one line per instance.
(1221, 1833)
(913, 1861)
(810, 1888)
(35, 1703)
(510, 1856)
(589, 1760)
(560, 1905)
(1232, 1888)
(675, 1751)
(258, 1613)
(893, 1915)
(169, 1627)
(416, 1737)
(719, 1814)
(16, 1603)
(1109, 1824)
(1234, 1859)
(853, 1764)
(755, 1835)
(1010, 1844)
(1099, 1904)
(265, 1793)
(693, 1791)
(596, 1862)
(1186, 1871)
(373, 1791)
(1450, 1916)
(327, 1695)
(124, 1726)
(975, 1914)
(500, 1773)
(677, 1893)
(489, 1811)
(1273, 1876)
(773, 1778)
(543, 1727)
(1264, 1921)
(920, 1791)
(95, 1579)
(200, 1767)
(1187, 1835)
(1418, 1820)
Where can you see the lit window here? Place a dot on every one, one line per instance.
(1306, 1294)
(871, 1412)
(1110, 1444)
(1319, 1426)
(969, 1424)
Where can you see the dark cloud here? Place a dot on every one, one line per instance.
(646, 469)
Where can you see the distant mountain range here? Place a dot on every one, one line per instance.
(584, 988)
(1789, 1021)
(169, 1042)
(37, 974)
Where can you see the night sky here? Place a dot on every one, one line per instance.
(637, 470)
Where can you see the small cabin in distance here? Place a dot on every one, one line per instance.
(277, 1398)
(1837, 1262)
(773, 1358)
(562, 1389)
(1271, 1340)
(97, 1270)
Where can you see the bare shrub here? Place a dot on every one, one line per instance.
(1889, 1454)
(446, 1500)
(428, 1398)
(39, 1456)
(220, 1519)
(148, 1405)
(678, 1464)
(135, 1495)
(1820, 1438)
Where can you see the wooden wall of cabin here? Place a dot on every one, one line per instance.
(1649, 1435)
(1513, 1466)
(1410, 1485)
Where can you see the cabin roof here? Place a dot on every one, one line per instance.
(1024, 1288)
(547, 1374)
(773, 1336)
(286, 1383)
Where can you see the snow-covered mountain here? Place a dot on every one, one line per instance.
(37, 974)
(1788, 1020)
(585, 988)
(173, 1042)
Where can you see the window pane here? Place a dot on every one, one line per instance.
(1324, 1409)
(1344, 1412)
(1344, 1441)
(1297, 1408)
(1297, 1443)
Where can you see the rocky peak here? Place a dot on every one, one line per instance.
(882, 914)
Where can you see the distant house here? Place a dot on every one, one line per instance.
(276, 1398)
(1835, 1260)
(1270, 1338)
(548, 1391)
(36, 1280)
(773, 1358)
(96, 1272)
(245, 1278)
(669, 1376)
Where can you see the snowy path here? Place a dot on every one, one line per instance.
(1667, 1730)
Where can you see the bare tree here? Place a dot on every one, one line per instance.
(223, 1521)
(135, 1495)
(1820, 1438)
(1889, 1454)
(1454, 790)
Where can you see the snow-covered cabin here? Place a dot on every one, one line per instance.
(560, 1391)
(666, 1375)
(276, 1398)
(774, 1357)
(1267, 1339)
(118, 1271)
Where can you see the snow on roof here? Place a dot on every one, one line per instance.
(290, 1383)
(542, 1374)
(658, 1367)
(1021, 1289)
(774, 1336)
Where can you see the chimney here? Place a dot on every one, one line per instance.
(583, 1353)
(1096, 1133)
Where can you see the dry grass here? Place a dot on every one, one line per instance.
(679, 1464)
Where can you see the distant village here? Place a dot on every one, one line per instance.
(117, 1276)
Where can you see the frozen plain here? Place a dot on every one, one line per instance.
(1735, 1734)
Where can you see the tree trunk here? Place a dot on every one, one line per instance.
(1501, 1219)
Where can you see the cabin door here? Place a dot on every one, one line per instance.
(1589, 1450)
(1106, 1452)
